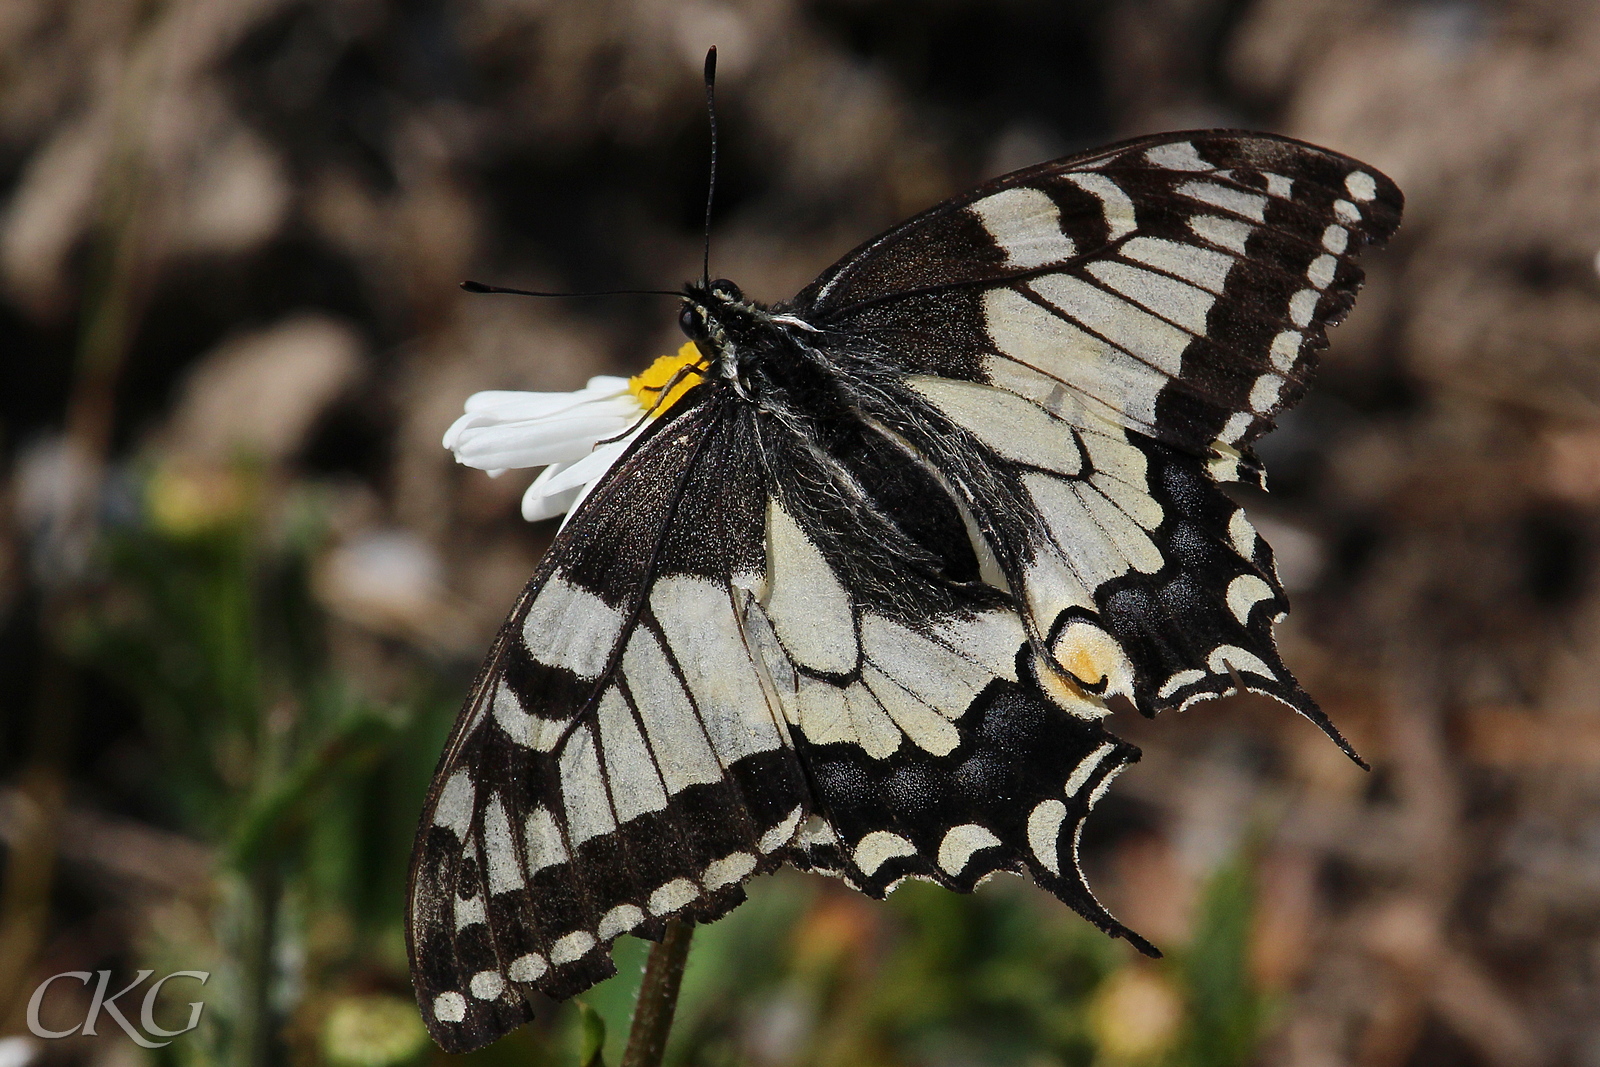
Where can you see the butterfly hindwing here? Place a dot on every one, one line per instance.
(930, 750)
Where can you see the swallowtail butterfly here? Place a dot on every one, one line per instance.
(855, 599)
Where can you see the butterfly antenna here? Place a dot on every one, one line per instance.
(711, 191)
(479, 287)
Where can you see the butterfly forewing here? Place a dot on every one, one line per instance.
(620, 761)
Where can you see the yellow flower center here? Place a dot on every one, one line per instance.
(674, 374)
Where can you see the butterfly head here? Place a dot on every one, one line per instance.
(723, 325)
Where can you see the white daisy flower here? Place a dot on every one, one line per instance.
(576, 436)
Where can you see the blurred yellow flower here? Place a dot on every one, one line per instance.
(1135, 1016)
(373, 1030)
(185, 499)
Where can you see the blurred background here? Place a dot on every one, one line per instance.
(243, 588)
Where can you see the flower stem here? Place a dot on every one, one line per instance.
(658, 996)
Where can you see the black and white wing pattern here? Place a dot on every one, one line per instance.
(755, 643)
(1084, 350)
(856, 600)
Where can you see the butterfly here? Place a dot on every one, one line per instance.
(855, 595)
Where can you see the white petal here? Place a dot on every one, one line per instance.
(539, 502)
(563, 438)
(600, 461)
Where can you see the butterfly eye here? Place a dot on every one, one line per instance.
(727, 290)
(691, 324)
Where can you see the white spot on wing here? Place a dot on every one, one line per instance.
(500, 851)
(569, 627)
(1180, 155)
(1224, 656)
(454, 809)
(672, 896)
(1026, 224)
(1244, 593)
(544, 844)
(1176, 301)
(809, 608)
(529, 731)
(449, 1007)
(1250, 205)
(619, 920)
(782, 833)
(960, 842)
(527, 968)
(1345, 211)
(571, 947)
(1279, 186)
(1242, 534)
(1181, 679)
(1081, 773)
(1044, 830)
(1116, 205)
(583, 791)
(1301, 307)
(630, 770)
(1135, 331)
(1335, 238)
(1016, 428)
(879, 847)
(469, 912)
(728, 870)
(1236, 425)
(1320, 273)
(1362, 186)
(1264, 393)
(816, 832)
(1286, 348)
(1205, 267)
(487, 985)
(1227, 233)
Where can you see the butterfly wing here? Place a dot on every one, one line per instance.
(757, 641)
(1084, 350)
(905, 678)
(619, 761)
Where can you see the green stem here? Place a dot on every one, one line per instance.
(658, 996)
(259, 1047)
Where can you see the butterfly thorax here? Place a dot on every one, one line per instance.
(744, 343)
